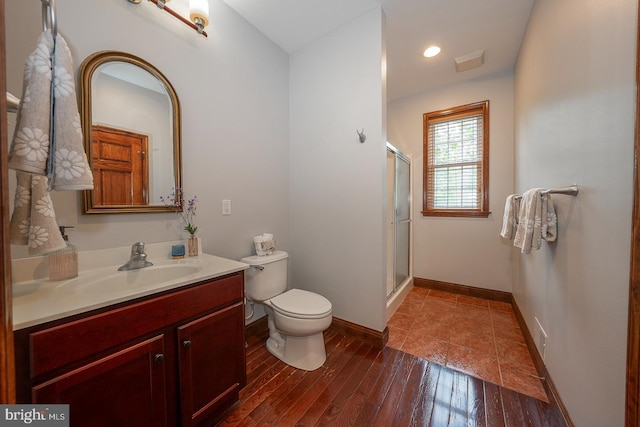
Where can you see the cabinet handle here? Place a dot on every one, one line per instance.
(158, 358)
(186, 344)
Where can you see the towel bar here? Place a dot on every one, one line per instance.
(570, 190)
(13, 102)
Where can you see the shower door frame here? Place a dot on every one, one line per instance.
(400, 156)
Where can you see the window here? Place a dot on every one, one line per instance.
(456, 161)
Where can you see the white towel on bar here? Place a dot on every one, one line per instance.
(529, 221)
(549, 229)
(510, 217)
(537, 221)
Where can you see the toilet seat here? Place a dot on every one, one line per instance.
(301, 304)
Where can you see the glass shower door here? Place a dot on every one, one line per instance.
(399, 213)
(402, 220)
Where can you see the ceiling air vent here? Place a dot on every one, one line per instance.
(469, 61)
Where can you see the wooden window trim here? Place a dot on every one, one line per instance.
(450, 114)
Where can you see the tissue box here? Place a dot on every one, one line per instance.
(265, 248)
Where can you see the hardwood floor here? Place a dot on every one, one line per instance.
(360, 385)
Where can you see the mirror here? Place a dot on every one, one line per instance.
(131, 121)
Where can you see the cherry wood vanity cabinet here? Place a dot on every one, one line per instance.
(175, 358)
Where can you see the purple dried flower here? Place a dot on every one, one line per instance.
(188, 213)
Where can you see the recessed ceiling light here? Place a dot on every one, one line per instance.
(432, 51)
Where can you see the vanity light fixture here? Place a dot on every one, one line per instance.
(198, 13)
(431, 51)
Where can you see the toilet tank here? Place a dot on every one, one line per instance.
(267, 276)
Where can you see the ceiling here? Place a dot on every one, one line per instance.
(459, 27)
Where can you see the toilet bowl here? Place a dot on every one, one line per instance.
(297, 318)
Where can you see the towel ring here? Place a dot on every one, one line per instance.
(49, 17)
(48, 22)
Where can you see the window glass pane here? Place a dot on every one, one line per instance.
(470, 150)
(455, 187)
(440, 186)
(469, 187)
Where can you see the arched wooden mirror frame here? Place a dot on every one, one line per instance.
(86, 74)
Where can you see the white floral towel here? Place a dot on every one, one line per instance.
(33, 221)
(549, 229)
(30, 145)
(50, 126)
(71, 169)
(529, 221)
(20, 218)
(537, 221)
(510, 217)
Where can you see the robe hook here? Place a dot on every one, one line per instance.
(361, 135)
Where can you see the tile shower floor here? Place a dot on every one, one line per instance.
(473, 335)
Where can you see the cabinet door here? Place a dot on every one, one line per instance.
(126, 388)
(211, 364)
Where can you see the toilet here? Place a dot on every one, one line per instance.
(296, 317)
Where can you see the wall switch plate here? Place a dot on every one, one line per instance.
(540, 339)
(226, 207)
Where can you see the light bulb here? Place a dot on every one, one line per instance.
(199, 13)
(432, 51)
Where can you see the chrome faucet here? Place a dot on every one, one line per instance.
(138, 258)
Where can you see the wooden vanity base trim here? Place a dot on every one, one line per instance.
(123, 324)
(467, 290)
(260, 330)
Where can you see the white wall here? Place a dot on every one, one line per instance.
(234, 93)
(466, 251)
(575, 93)
(338, 184)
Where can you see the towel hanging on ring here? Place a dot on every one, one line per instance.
(48, 136)
(33, 222)
(71, 169)
(30, 145)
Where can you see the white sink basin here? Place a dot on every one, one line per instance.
(156, 275)
(37, 300)
(22, 289)
(111, 281)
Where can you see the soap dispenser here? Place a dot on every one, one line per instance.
(63, 263)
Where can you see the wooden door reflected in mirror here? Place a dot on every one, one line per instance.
(120, 167)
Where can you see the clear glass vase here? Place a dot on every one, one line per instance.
(192, 244)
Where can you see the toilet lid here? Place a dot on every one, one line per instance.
(299, 303)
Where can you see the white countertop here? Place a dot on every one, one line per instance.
(37, 300)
